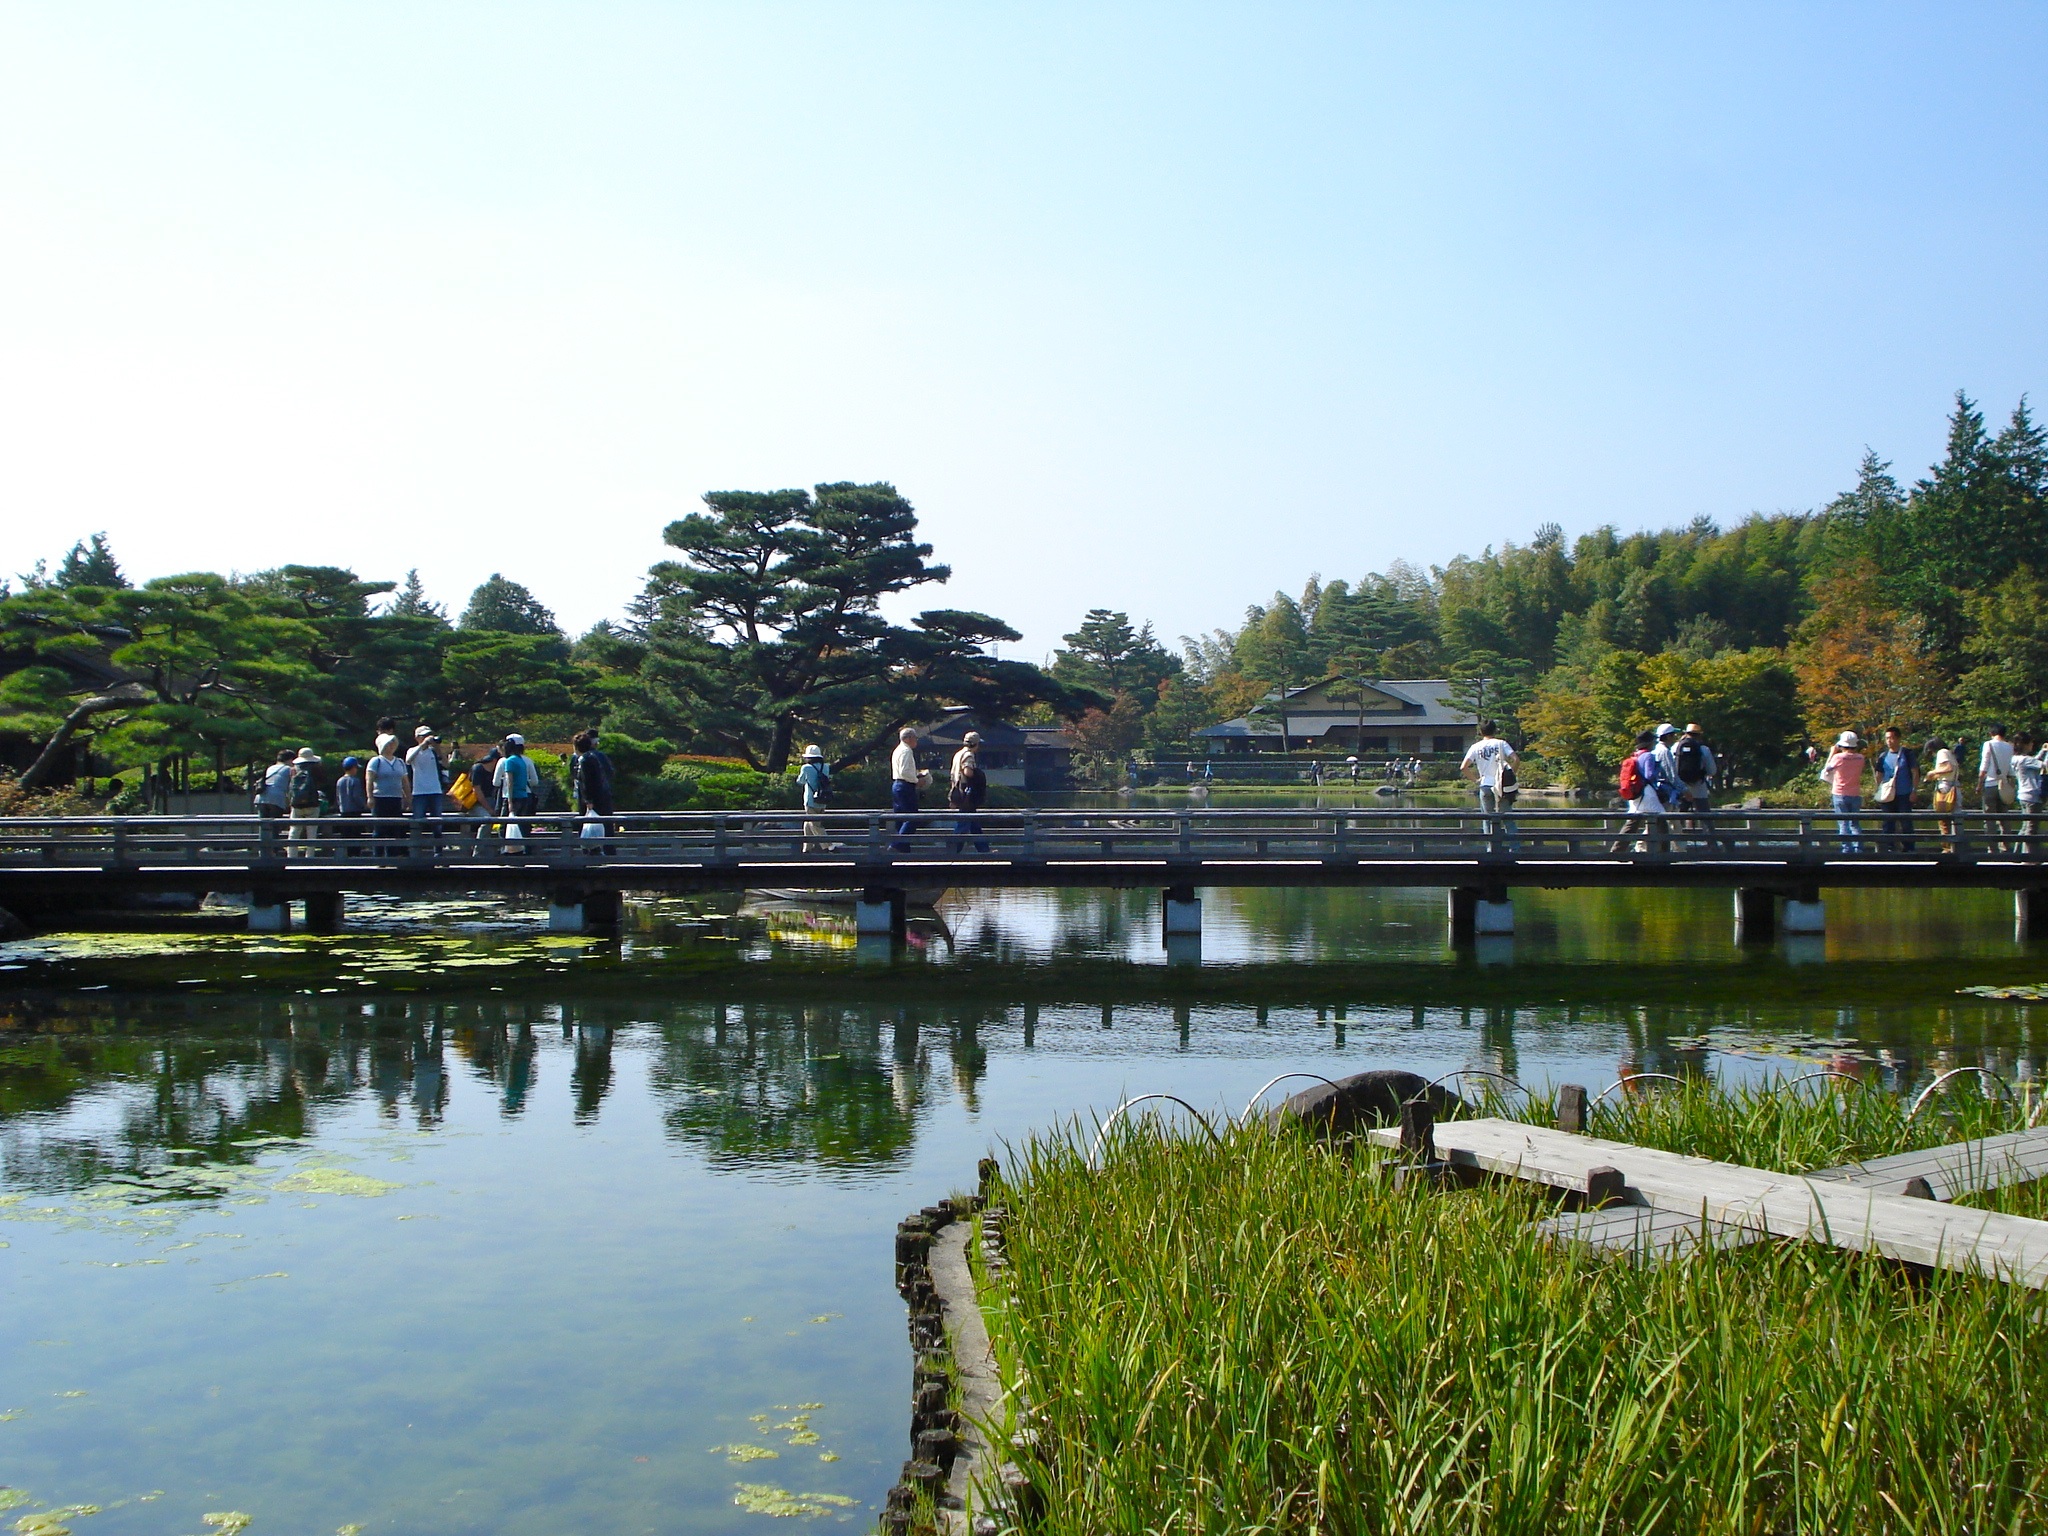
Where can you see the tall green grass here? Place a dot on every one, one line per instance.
(1266, 1336)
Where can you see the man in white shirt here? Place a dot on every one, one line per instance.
(1995, 780)
(905, 777)
(1486, 760)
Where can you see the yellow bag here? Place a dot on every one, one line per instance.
(462, 792)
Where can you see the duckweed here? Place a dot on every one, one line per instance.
(767, 1499)
(742, 1452)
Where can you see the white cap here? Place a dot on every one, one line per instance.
(514, 739)
(1666, 729)
(1847, 739)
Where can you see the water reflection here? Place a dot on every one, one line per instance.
(92, 1091)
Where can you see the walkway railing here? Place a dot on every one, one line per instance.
(1187, 838)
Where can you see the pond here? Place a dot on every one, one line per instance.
(445, 1224)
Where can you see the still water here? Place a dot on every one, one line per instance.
(449, 1225)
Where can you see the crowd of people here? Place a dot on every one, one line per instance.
(389, 796)
(1670, 777)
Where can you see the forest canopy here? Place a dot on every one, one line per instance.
(1923, 605)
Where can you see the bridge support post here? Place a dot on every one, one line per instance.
(585, 912)
(1480, 913)
(324, 910)
(1804, 913)
(1756, 916)
(879, 911)
(2030, 914)
(269, 914)
(1180, 912)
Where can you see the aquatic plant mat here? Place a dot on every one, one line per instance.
(1267, 1334)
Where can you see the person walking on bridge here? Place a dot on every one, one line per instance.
(814, 781)
(388, 778)
(1843, 772)
(1642, 785)
(305, 802)
(969, 789)
(905, 779)
(351, 800)
(1487, 761)
(423, 763)
(516, 781)
(1996, 783)
(1898, 768)
(274, 795)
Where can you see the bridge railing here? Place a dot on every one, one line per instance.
(1174, 837)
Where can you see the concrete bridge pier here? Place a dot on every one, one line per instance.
(1804, 913)
(2030, 914)
(1756, 916)
(594, 912)
(879, 913)
(325, 911)
(1480, 912)
(269, 913)
(1180, 912)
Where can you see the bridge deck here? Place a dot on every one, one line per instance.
(1789, 850)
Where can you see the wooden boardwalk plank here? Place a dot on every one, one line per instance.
(1961, 1168)
(1641, 1231)
(1926, 1232)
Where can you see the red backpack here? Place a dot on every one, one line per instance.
(1631, 778)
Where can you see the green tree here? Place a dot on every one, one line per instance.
(2008, 641)
(1111, 656)
(90, 563)
(505, 607)
(1274, 648)
(770, 624)
(412, 601)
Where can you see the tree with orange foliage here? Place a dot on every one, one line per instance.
(1862, 663)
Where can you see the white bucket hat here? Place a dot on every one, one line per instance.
(1848, 739)
(814, 753)
(307, 755)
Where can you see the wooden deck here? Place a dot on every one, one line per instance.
(1756, 1203)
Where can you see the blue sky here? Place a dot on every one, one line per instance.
(1152, 307)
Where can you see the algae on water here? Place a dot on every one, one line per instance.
(767, 1499)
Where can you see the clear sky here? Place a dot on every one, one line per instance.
(1151, 307)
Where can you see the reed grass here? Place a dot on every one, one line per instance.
(1267, 1336)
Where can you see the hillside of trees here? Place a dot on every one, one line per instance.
(1922, 605)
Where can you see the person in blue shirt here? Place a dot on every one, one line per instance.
(514, 780)
(1898, 775)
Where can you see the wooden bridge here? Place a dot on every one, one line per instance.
(1777, 862)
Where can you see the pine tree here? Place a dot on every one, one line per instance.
(505, 607)
(90, 563)
(412, 601)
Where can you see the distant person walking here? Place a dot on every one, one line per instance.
(1695, 765)
(905, 779)
(305, 802)
(516, 781)
(814, 781)
(482, 806)
(1996, 784)
(1944, 774)
(1898, 768)
(590, 771)
(2030, 778)
(1843, 773)
(351, 802)
(969, 789)
(388, 779)
(274, 795)
(1486, 762)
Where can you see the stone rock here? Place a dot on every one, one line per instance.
(1362, 1102)
(11, 927)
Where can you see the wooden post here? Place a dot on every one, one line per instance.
(1571, 1108)
(1604, 1186)
(1418, 1130)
